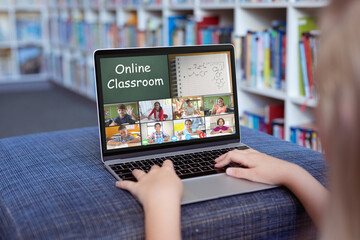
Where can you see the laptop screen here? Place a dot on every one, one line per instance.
(151, 98)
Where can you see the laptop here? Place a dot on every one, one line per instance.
(177, 103)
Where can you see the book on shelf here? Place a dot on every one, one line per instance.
(273, 111)
(176, 29)
(152, 2)
(181, 2)
(30, 60)
(184, 30)
(128, 33)
(4, 27)
(154, 32)
(277, 128)
(305, 25)
(255, 121)
(307, 136)
(204, 30)
(109, 30)
(263, 57)
(262, 1)
(309, 47)
(5, 62)
(28, 26)
(91, 31)
(263, 119)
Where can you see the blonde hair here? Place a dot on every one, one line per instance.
(338, 77)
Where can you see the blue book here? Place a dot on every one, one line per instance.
(279, 62)
(304, 70)
(207, 35)
(253, 62)
(173, 23)
(190, 33)
(293, 134)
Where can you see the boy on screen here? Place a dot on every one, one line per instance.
(125, 115)
(158, 134)
(124, 138)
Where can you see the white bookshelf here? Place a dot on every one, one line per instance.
(14, 10)
(242, 16)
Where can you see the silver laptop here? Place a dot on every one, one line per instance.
(177, 103)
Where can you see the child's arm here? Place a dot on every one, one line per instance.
(135, 140)
(113, 143)
(160, 192)
(227, 130)
(266, 169)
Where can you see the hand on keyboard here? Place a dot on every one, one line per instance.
(160, 183)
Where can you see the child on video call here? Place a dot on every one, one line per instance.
(124, 138)
(158, 134)
(218, 107)
(336, 213)
(188, 130)
(189, 108)
(125, 115)
(158, 112)
(220, 127)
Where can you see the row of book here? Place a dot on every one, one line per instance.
(4, 27)
(266, 119)
(28, 26)
(74, 72)
(5, 62)
(308, 50)
(184, 30)
(29, 60)
(308, 47)
(262, 1)
(20, 2)
(263, 57)
(306, 136)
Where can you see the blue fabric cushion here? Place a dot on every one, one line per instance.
(53, 185)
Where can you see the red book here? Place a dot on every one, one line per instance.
(307, 48)
(206, 22)
(273, 111)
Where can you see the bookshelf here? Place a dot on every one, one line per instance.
(23, 41)
(77, 28)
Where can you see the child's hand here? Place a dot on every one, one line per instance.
(129, 110)
(261, 167)
(160, 185)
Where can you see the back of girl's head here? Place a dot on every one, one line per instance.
(338, 78)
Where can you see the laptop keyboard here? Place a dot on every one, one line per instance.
(185, 165)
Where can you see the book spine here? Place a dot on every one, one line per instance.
(304, 70)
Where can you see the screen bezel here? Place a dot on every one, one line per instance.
(128, 52)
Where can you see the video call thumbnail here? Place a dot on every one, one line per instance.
(157, 132)
(189, 128)
(220, 125)
(122, 113)
(220, 104)
(155, 110)
(123, 136)
(188, 107)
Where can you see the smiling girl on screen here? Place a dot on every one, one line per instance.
(158, 112)
(220, 127)
(219, 106)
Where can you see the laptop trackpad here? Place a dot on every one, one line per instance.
(216, 186)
